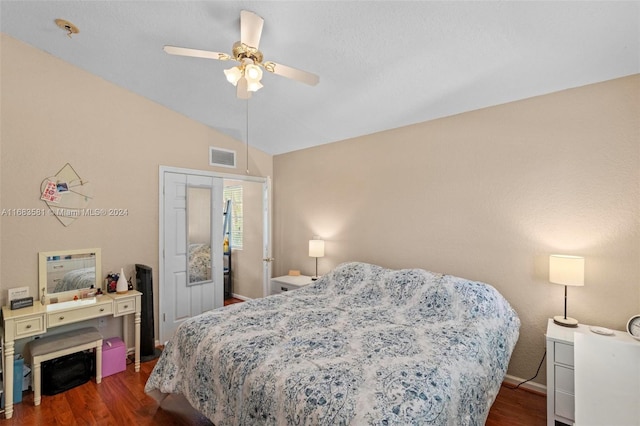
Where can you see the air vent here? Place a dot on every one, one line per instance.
(222, 157)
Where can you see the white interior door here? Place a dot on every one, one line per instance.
(191, 222)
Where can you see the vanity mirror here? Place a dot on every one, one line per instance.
(69, 271)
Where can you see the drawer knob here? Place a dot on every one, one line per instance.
(61, 318)
(126, 306)
(101, 309)
(28, 326)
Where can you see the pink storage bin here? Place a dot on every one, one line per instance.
(114, 356)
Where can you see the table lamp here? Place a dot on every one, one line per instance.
(316, 249)
(566, 270)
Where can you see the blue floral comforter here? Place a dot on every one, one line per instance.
(363, 345)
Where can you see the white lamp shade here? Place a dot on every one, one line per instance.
(233, 75)
(253, 86)
(316, 248)
(253, 72)
(566, 270)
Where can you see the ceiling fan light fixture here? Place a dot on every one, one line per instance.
(253, 72)
(247, 75)
(233, 75)
(253, 86)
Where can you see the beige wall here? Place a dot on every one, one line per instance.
(485, 195)
(54, 113)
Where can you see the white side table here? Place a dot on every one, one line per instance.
(560, 374)
(289, 283)
(561, 369)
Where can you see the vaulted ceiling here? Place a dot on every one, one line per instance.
(382, 64)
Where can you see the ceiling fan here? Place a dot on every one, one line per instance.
(246, 76)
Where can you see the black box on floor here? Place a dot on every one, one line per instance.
(66, 372)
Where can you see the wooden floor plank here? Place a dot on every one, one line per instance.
(120, 400)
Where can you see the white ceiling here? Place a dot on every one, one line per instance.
(382, 64)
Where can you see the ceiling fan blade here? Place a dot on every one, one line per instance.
(206, 54)
(241, 89)
(295, 74)
(250, 28)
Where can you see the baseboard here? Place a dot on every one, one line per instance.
(237, 296)
(531, 386)
(132, 350)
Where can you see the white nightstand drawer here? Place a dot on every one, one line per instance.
(563, 353)
(289, 283)
(564, 379)
(278, 287)
(565, 405)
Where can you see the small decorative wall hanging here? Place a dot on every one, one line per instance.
(66, 194)
(111, 282)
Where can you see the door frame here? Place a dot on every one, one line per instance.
(266, 225)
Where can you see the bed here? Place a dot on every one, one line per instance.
(362, 345)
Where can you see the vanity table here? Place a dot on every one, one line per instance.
(40, 319)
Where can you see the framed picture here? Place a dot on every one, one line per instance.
(112, 282)
(62, 187)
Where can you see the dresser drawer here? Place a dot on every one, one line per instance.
(564, 379)
(79, 314)
(125, 306)
(29, 326)
(278, 287)
(289, 283)
(565, 405)
(563, 353)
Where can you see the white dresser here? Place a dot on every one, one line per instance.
(40, 319)
(289, 283)
(561, 390)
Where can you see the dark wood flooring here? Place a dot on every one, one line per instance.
(518, 407)
(231, 301)
(120, 400)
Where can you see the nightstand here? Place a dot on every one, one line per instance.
(560, 379)
(289, 283)
(561, 370)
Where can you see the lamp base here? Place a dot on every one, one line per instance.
(314, 278)
(565, 322)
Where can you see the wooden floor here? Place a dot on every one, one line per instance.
(231, 301)
(518, 407)
(120, 400)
